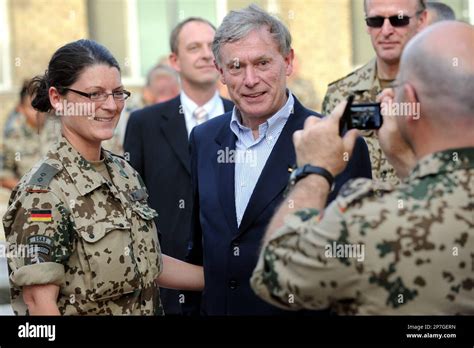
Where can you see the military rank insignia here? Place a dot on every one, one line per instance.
(39, 215)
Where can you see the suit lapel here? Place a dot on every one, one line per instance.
(274, 177)
(174, 129)
(225, 176)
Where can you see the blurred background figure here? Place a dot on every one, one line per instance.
(162, 84)
(438, 11)
(26, 141)
(303, 88)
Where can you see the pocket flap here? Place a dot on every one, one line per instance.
(146, 212)
(97, 230)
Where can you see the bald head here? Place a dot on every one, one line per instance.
(438, 63)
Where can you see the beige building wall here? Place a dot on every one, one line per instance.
(37, 29)
(322, 39)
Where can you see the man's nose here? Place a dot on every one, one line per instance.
(207, 53)
(387, 27)
(251, 76)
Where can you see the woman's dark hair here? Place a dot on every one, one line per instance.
(65, 67)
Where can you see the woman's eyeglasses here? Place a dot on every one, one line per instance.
(102, 96)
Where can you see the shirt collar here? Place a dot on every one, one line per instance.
(281, 116)
(82, 173)
(443, 162)
(189, 105)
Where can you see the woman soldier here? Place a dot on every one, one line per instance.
(82, 212)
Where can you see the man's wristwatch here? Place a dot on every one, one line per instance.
(302, 172)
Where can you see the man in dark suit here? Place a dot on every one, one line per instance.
(241, 161)
(156, 139)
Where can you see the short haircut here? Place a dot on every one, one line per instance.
(443, 11)
(161, 70)
(177, 29)
(421, 5)
(238, 24)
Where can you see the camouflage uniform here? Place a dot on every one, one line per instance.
(23, 147)
(418, 239)
(96, 239)
(365, 86)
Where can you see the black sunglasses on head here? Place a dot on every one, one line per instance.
(395, 21)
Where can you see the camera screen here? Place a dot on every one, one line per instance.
(366, 117)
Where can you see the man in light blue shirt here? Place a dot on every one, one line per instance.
(241, 161)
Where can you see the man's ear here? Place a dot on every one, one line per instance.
(55, 99)
(411, 98)
(174, 61)
(221, 72)
(289, 62)
(422, 21)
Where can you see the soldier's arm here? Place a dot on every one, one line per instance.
(180, 275)
(41, 299)
(298, 267)
(39, 225)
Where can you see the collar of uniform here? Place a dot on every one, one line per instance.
(81, 172)
(113, 165)
(366, 77)
(444, 162)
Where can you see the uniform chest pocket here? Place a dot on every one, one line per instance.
(107, 252)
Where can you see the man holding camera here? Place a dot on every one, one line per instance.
(390, 24)
(379, 249)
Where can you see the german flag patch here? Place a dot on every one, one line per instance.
(39, 215)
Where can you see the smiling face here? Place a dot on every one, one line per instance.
(194, 59)
(255, 73)
(389, 41)
(77, 109)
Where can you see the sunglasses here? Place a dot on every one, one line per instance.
(396, 21)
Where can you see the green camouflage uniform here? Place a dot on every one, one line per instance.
(365, 86)
(23, 147)
(98, 243)
(417, 238)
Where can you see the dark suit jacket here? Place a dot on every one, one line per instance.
(216, 235)
(157, 143)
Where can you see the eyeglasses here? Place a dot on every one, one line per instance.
(396, 21)
(102, 96)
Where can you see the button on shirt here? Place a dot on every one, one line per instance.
(214, 107)
(252, 154)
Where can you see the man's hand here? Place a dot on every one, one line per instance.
(319, 143)
(396, 149)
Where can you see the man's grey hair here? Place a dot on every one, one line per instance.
(238, 24)
(161, 70)
(443, 12)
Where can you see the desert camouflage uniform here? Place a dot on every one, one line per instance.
(418, 243)
(24, 146)
(365, 86)
(100, 245)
